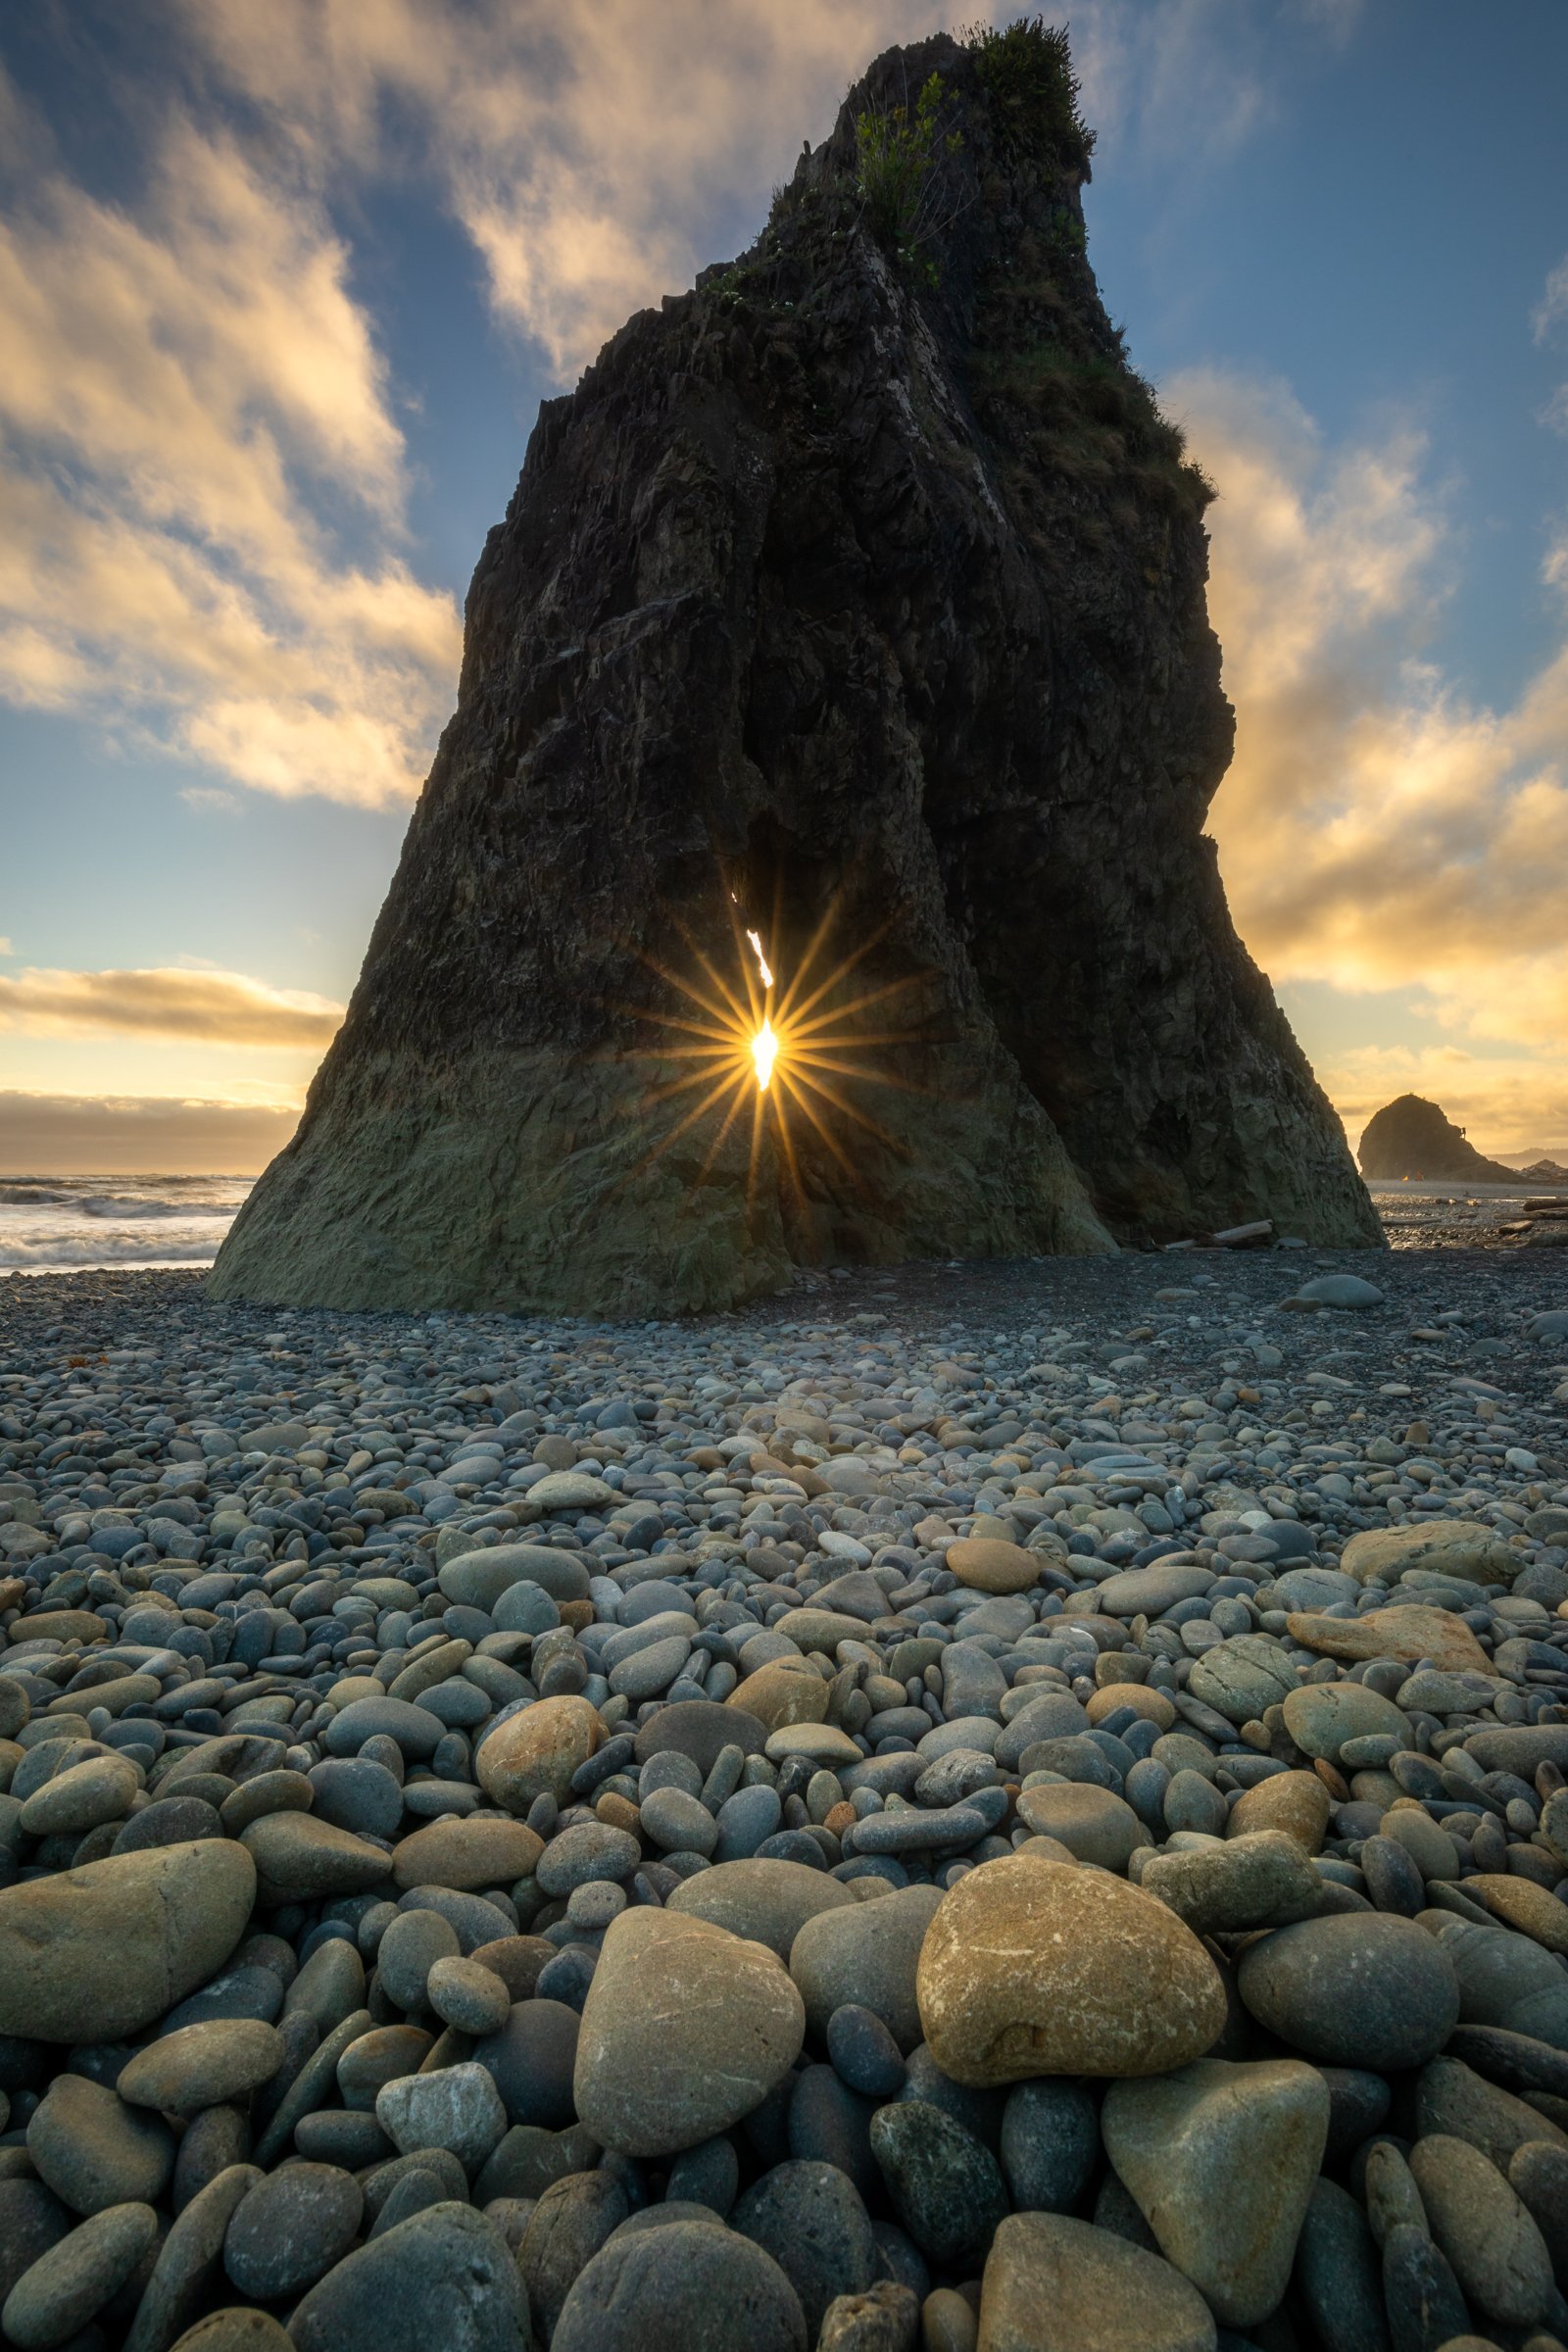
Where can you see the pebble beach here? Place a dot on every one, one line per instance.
(1006, 1808)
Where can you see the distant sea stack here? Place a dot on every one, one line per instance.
(853, 599)
(1412, 1137)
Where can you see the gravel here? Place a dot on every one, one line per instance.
(365, 1680)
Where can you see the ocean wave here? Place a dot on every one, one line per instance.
(34, 1195)
(118, 1205)
(67, 1252)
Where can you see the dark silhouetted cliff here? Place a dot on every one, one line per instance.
(862, 584)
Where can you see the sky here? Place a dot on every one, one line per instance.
(282, 289)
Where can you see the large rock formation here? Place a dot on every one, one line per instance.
(1412, 1137)
(856, 597)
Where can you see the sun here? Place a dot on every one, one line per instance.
(776, 1046)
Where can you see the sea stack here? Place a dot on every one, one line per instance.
(855, 599)
(1412, 1137)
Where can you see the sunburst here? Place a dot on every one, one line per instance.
(792, 1049)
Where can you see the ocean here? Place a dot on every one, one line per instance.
(71, 1224)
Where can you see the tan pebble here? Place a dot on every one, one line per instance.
(1296, 1802)
(1041, 1968)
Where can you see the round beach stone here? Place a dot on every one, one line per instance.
(31, 2221)
(533, 2057)
(414, 1730)
(812, 2220)
(866, 1953)
(1053, 2285)
(1294, 1804)
(686, 2287)
(445, 2277)
(536, 1752)
(1049, 2145)
(1090, 1823)
(1259, 1881)
(763, 1900)
(81, 1797)
(685, 2030)
(1462, 1548)
(468, 1996)
(468, 1854)
(356, 1792)
(237, 2329)
(1425, 1840)
(1498, 2255)
(563, 2231)
(203, 2065)
(1356, 1989)
(701, 1729)
(290, 2229)
(946, 2185)
(782, 1692)
(1241, 1677)
(1534, 1910)
(677, 1823)
(301, 1859)
(412, 1944)
(457, 2107)
(97, 1954)
(1221, 2160)
(1148, 1704)
(818, 1742)
(188, 2265)
(1409, 1633)
(1043, 1968)
(863, 2052)
(588, 1853)
(477, 1579)
(1151, 1592)
(987, 1564)
(1321, 1716)
(94, 2151)
(377, 2057)
(59, 2293)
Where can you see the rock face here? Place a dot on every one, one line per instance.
(856, 598)
(1412, 1137)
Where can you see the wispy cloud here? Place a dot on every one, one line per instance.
(202, 477)
(591, 152)
(189, 390)
(224, 1008)
(1551, 310)
(584, 150)
(1377, 829)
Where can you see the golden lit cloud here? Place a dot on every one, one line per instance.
(186, 395)
(584, 150)
(1377, 830)
(223, 1007)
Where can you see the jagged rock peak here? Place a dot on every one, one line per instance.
(1412, 1137)
(856, 599)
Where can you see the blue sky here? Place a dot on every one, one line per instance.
(287, 285)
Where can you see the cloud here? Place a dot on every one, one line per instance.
(201, 479)
(586, 151)
(222, 1007)
(195, 431)
(591, 152)
(69, 1135)
(1379, 830)
(1551, 310)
